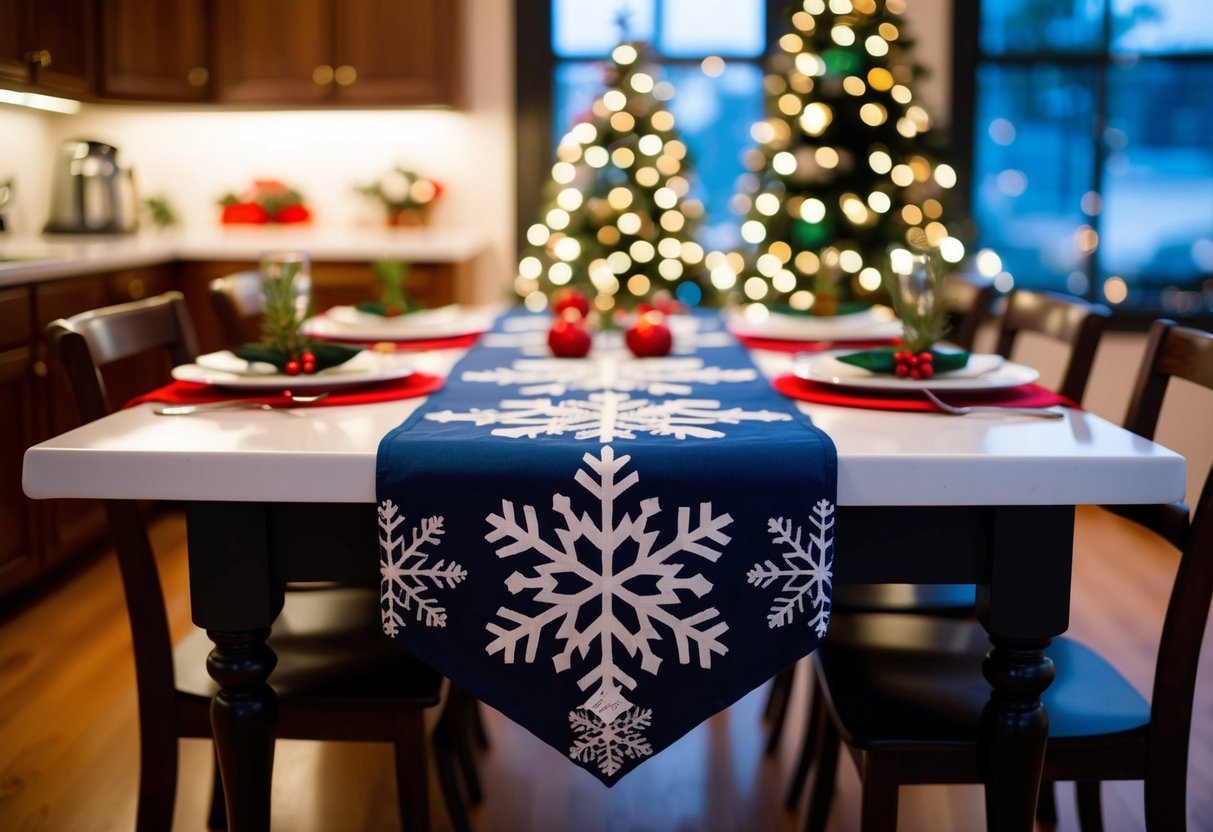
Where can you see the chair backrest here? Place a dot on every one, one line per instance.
(1070, 320)
(84, 344)
(87, 342)
(1180, 352)
(238, 302)
(969, 299)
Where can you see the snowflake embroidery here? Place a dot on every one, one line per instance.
(807, 570)
(624, 569)
(608, 743)
(654, 376)
(404, 585)
(609, 416)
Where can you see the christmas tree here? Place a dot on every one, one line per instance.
(846, 166)
(617, 223)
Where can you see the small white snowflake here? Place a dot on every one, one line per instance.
(613, 371)
(807, 569)
(403, 586)
(609, 416)
(608, 743)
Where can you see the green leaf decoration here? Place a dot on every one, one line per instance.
(881, 360)
(849, 307)
(390, 275)
(327, 355)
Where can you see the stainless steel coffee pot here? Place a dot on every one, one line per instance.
(90, 192)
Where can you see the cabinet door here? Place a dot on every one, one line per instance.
(273, 51)
(18, 561)
(398, 52)
(154, 50)
(14, 61)
(61, 33)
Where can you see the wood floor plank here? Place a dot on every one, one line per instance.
(69, 755)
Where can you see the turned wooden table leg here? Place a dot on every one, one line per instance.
(243, 719)
(1014, 729)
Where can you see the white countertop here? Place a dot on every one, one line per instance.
(53, 256)
(328, 455)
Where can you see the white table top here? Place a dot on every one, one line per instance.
(328, 455)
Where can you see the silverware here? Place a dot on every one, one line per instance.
(239, 404)
(1017, 411)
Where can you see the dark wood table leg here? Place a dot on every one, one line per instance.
(242, 718)
(1024, 605)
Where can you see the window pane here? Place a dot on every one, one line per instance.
(1041, 26)
(713, 116)
(1162, 26)
(712, 27)
(590, 28)
(1033, 163)
(1158, 190)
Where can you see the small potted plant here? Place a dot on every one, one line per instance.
(405, 195)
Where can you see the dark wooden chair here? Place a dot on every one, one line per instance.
(905, 692)
(970, 302)
(1072, 322)
(336, 678)
(238, 304)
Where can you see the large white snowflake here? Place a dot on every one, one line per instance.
(622, 589)
(806, 569)
(404, 586)
(608, 416)
(654, 376)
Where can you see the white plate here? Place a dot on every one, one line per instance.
(875, 322)
(983, 372)
(348, 323)
(364, 368)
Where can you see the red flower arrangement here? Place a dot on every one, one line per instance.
(268, 200)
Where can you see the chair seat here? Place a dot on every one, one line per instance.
(329, 646)
(911, 680)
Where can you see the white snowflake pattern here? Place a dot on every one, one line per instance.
(654, 376)
(624, 569)
(806, 569)
(609, 416)
(608, 743)
(404, 586)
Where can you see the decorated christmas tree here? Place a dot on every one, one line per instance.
(847, 166)
(617, 223)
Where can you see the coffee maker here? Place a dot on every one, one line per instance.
(90, 192)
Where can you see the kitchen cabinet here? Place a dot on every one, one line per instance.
(18, 516)
(45, 45)
(401, 52)
(154, 50)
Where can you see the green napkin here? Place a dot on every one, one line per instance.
(881, 360)
(327, 355)
(383, 310)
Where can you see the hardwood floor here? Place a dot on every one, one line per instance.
(68, 752)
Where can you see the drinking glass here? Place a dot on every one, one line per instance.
(288, 274)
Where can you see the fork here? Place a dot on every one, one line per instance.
(964, 411)
(238, 404)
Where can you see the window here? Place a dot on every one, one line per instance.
(710, 50)
(1092, 168)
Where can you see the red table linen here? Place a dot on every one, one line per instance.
(188, 392)
(1026, 395)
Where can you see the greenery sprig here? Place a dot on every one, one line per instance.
(923, 313)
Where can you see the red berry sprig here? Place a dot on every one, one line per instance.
(306, 363)
(918, 366)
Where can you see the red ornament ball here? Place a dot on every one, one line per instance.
(292, 368)
(570, 299)
(649, 337)
(569, 339)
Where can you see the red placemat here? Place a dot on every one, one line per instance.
(188, 392)
(780, 345)
(1025, 395)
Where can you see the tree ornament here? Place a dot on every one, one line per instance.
(573, 299)
(650, 336)
(568, 337)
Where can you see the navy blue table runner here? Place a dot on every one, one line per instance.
(607, 550)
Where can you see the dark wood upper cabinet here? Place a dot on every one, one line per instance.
(155, 50)
(402, 52)
(44, 45)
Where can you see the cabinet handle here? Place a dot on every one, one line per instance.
(198, 76)
(322, 75)
(42, 57)
(346, 75)
(135, 289)
(40, 369)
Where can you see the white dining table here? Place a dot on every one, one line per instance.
(922, 497)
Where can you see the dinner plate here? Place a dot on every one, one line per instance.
(982, 372)
(875, 322)
(223, 369)
(348, 323)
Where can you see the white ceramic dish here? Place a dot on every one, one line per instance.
(983, 372)
(348, 323)
(875, 322)
(366, 367)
